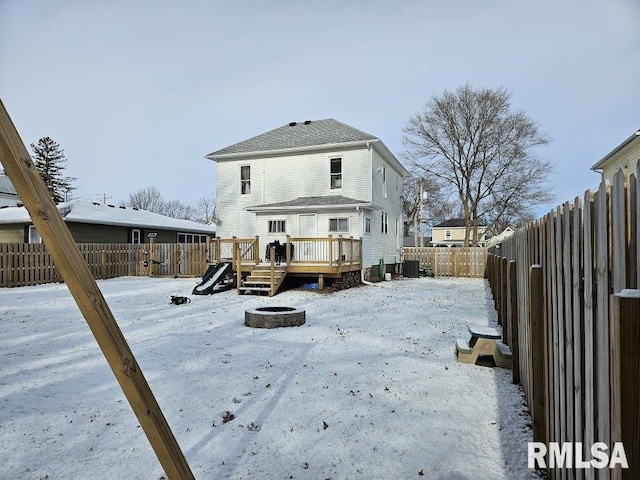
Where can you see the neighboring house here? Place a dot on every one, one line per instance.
(496, 239)
(624, 157)
(451, 233)
(8, 195)
(313, 179)
(410, 241)
(98, 223)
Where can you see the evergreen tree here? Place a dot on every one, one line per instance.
(50, 161)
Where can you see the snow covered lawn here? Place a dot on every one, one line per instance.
(368, 388)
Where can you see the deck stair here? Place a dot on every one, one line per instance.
(259, 280)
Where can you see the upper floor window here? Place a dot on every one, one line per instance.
(336, 173)
(384, 222)
(338, 224)
(367, 224)
(245, 180)
(277, 226)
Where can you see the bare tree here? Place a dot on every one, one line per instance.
(482, 150)
(206, 209)
(425, 202)
(177, 209)
(148, 198)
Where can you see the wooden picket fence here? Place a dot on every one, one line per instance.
(564, 289)
(23, 264)
(450, 261)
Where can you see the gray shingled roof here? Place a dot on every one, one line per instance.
(6, 186)
(297, 135)
(457, 222)
(328, 201)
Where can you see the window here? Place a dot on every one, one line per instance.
(367, 224)
(384, 224)
(245, 180)
(191, 238)
(336, 173)
(384, 181)
(34, 236)
(277, 226)
(136, 236)
(447, 234)
(338, 224)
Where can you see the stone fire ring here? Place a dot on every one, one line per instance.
(272, 317)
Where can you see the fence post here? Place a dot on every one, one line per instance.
(103, 264)
(504, 298)
(625, 378)
(515, 347)
(536, 309)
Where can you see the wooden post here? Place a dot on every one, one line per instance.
(238, 257)
(536, 309)
(351, 253)
(69, 262)
(625, 378)
(331, 250)
(272, 255)
(515, 347)
(256, 249)
(288, 251)
(339, 252)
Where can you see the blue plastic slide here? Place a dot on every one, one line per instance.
(214, 279)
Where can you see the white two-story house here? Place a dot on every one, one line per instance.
(313, 179)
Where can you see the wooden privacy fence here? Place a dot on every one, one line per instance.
(565, 289)
(23, 264)
(450, 261)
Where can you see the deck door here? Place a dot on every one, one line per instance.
(307, 228)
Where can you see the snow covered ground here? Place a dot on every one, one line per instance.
(368, 388)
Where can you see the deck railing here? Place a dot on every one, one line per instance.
(331, 251)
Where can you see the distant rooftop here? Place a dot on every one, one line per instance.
(296, 135)
(97, 213)
(6, 186)
(456, 222)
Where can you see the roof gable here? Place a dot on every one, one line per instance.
(297, 135)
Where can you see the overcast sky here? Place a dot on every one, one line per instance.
(138, 92)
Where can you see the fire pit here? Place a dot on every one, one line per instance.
(272, 317)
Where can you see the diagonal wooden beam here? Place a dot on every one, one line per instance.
(71, 265)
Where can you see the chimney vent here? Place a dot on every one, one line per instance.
(293, 124)
(307, 122)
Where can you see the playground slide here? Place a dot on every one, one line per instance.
(212, 278)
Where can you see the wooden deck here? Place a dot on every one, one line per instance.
(324, 257)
